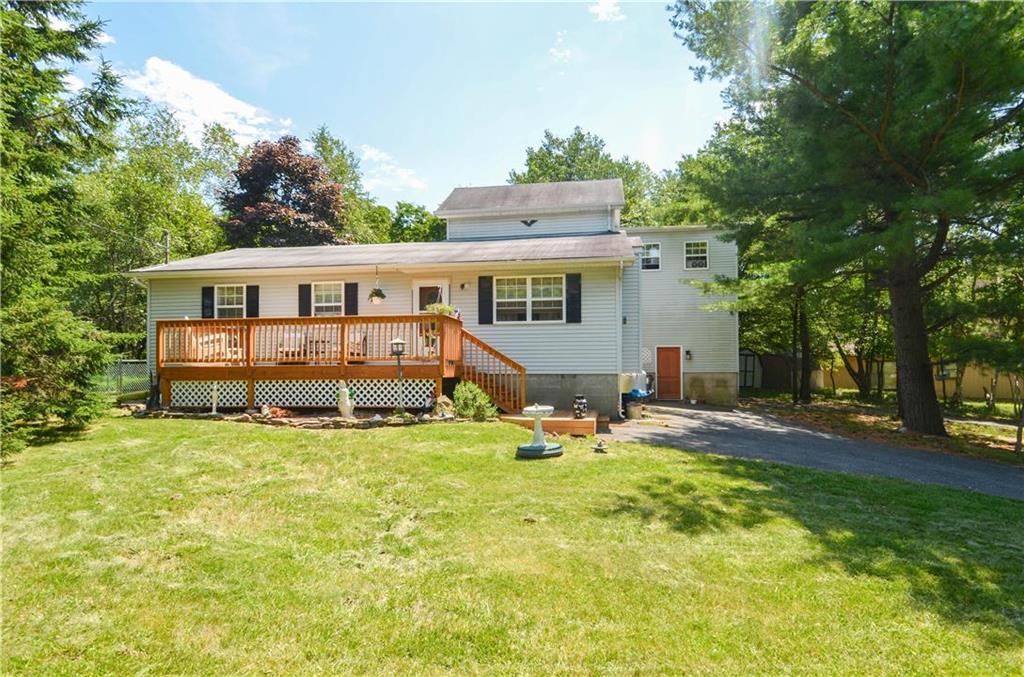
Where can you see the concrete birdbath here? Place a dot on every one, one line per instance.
(538, 448)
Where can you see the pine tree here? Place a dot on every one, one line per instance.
(886, 133)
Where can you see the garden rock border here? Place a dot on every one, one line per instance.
(302, 422)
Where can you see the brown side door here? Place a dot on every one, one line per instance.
(669, 377)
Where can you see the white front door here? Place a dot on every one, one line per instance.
(426, 292)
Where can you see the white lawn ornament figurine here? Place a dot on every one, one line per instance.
(345, 405)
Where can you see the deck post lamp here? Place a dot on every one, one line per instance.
(397, 350)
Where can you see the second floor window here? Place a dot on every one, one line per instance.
(696, 255)
(650, 256)
(328, 298)
(230, 300)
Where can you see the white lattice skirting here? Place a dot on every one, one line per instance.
(198, 393)
(323, 393)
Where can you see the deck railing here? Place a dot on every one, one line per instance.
(499, 375)
(430, 339)
(437, 346)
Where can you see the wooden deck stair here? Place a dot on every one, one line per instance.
(496, 373)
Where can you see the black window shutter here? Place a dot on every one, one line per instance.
(573, 298)
(351, 298)
(208, 302)
(485, 300)
(252, 300)
(305, 300)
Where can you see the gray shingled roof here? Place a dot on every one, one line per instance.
(611, 246)
(526, 198)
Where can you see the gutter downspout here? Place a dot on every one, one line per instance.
(149, 319)
(618, 351)
(639, 315)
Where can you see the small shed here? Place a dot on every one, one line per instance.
(751, 369)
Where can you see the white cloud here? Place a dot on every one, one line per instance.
(559, 52)
(606, 10)
(381, 172)
(196, 102)
(58, 24)
(106, 39)
(73, 82)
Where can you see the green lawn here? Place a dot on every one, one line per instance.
(210, 547)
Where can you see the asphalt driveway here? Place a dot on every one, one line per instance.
(748, 434)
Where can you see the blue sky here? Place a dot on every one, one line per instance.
(431, 96)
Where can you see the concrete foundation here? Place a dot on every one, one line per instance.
(558, 390)
(711, 387)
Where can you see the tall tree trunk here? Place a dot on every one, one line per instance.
(861, 374)
(793, 366)
(806, 363)
(865, 367)
(920, 406)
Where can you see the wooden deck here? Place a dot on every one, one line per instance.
(561, 422)
(333, 348)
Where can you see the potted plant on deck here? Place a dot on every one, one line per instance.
(432, 331)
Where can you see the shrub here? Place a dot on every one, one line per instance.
(472, 402)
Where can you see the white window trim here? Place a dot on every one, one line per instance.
(643, 256)
(707, 255)
(312, 297)
(442, 282)
(217, 306)
(529, 300)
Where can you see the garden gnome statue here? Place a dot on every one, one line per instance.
(345, 406)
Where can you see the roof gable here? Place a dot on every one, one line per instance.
(533, 198)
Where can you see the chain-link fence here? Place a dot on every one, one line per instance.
(125, 376)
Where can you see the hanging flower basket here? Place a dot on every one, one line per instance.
(377, 295)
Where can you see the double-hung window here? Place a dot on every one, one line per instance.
(650, 256)
(328, 298)
(538, 298)
(230, 300)
(695, 255)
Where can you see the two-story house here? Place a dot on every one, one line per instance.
(552, 298)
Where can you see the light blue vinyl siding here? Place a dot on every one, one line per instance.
(631, 330)
(672, 310)
(471, 228)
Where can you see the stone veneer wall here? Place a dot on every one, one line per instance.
(711, 387)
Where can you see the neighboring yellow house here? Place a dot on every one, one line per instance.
(773, 371)
(975, 380)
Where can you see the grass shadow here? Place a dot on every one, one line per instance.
(958, 554)
(39, 435)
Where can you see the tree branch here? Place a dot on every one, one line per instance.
(883, 150)
(949, 119)
(935, 250)
(1005, 119)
